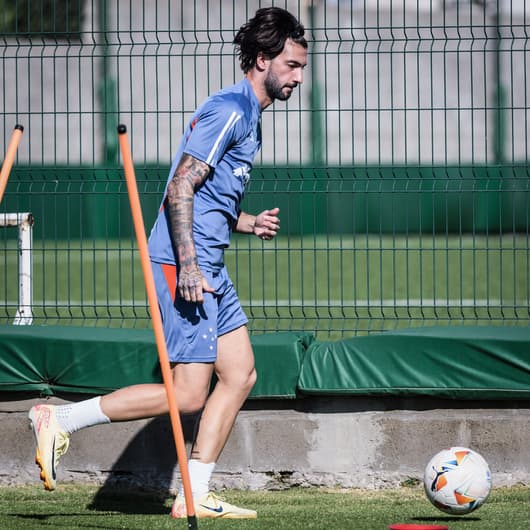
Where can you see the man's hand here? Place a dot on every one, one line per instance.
(267, 224)
(192, 284)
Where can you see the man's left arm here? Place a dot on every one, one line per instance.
(264, 225)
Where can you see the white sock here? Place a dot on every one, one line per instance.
(76, 416)
(200, 474)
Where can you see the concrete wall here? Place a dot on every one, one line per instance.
(349, 442)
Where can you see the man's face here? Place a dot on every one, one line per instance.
(286, 71)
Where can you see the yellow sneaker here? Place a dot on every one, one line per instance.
(52, 442)
(211, 506)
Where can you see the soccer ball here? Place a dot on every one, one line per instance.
(457, 480)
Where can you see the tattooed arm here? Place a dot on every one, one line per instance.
(265, 225)
(188, 176)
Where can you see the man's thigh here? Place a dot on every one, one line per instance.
(235, 357)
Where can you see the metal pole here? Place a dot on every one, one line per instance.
(315, 110)
(499, 101)
(24, 315)
(107, 93)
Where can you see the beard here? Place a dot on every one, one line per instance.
(274, 89)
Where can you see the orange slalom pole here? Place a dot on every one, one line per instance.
(141, 238)
(10, 157)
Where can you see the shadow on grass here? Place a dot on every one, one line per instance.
(128, 500)
(53, 520)
(446, 519)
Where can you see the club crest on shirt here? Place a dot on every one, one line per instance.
(242, 172)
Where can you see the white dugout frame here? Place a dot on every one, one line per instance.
(24, 222)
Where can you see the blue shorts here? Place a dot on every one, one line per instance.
(191, 329)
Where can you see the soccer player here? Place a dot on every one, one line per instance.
(204, 325)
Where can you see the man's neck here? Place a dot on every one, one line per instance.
(255, 78)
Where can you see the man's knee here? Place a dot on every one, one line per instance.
(190, 401)
(240, 381)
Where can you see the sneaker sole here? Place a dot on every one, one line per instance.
(211, 515)
(48, 486)
(208, 516)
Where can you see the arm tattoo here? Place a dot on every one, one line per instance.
(189, 175)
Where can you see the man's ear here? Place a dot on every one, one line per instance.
(261, 62)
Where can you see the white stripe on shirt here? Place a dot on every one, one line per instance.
(234, 117)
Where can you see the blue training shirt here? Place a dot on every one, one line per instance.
(225, 133)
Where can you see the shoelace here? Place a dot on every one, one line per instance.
(215, 498)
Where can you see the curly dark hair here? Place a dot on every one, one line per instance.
(266, 33)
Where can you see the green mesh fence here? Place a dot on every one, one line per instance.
(400, 167)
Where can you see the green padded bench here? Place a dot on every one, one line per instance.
(461, 362)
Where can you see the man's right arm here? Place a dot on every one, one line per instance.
(188, 177)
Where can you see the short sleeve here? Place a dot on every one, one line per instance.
(214, 130)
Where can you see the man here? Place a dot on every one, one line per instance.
(204, 325)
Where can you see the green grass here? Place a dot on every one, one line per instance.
(86, 507)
